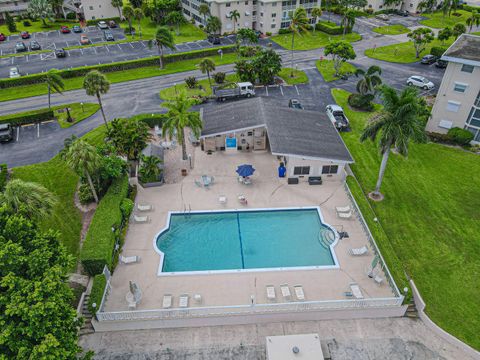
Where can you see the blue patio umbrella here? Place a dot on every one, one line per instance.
(245, 170)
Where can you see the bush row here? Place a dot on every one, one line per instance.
(331, 28)
(151, 121)
(28, 117)
(3, 176)
(118, 66)
(454, 136)
(96, 294)
(438, 50)
(97, 251)
(96, 21)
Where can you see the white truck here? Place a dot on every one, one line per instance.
(337, 117)
(234, 90)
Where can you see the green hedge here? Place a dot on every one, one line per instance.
(3, 176)
(96, 294)
(437, 51)
(96, 21)
(331, 28)
(151, 121)
(28, 117)
(97, 250)
(117, 66)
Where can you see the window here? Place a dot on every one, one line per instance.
(273, 26)
(261, 13)
(227, 4)
(246, 2)
(445, 124)
(274, 15)
(274, 4)
(254, 13)
(301, 170)
(90, 7)
(467, 68)
(474, 117)
(460, 87)
(329, 169)
(453, 106)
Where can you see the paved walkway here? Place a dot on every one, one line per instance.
(362, 339)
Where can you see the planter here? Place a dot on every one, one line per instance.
(184, 172)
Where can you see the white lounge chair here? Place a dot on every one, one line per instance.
(242, 199)
(144, 207)
(271, 292)
(222, 199)
(378, 279)
(129, 259)
(343, 209)
(132, 305)
(167, 301)
(358, 251)
(285, 292)
(357, 293)
(183, 301)
(141, 219)
(299, 292)
(197, 298)
(346, 215)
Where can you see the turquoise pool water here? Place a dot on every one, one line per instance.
(244, 240)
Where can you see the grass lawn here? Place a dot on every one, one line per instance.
(188, 31)
(391, 30)
(311, 40)
(77, 112)
(438, 21)
(203, 88)
(325, 67)
(37, 26)
(299, 77)
(402, 52)
(431, 219)
(21, 92)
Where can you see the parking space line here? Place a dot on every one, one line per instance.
(18, 132)
(94, 49)
(119, 46)
(281, 90)
(26, 57)
(131, 45)
(38, 130)
(266, 90)
(81, 50)
(296, 88)
(106, 47)
(144, 45)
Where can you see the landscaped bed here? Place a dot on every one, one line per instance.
(37, 26)
(299, 76)
(311, 40)
(325, 67)
(78, 112)
(391, 29)
(188, 31)
(438, 20)
(431, 219)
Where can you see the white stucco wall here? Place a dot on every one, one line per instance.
(315, 168)
(98, 9)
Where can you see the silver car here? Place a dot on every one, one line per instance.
(420, 82)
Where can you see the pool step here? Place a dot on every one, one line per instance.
(326, 238)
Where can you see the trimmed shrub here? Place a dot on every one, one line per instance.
(219, 77)
(437, 137)
(460, 136)
(191, 82)
(118, 66)
(3, 176)
(96, 21)
(361, 102)
(437, 51)
(284, 31)
(268, 33)
(27, 23)
(28, 117)
(85, 194)
(330, 28)
(126, 207)
(96, 294)
(97, 250)
(151, 121)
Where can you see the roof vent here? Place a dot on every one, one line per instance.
(295, 350)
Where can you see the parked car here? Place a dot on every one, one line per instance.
(428, 59)
(25, 35)
(20, 47)
(295, 104)
(108, 36)
(403, 13)
(84, 40)
(34, 45)
(77, 29)
(2, 37)
(214, 39)
(229, 91)
(65, 30)
(442, 64)
(383, 17)
(6, 132)
(421, 82)
(102, 25)
(14, 73)
(337, 117)
(60, 53)
(112, 24)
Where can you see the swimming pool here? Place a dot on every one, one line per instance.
(245, 240)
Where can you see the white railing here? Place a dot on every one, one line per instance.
(257, 309)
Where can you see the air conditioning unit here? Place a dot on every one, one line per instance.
(247, 13)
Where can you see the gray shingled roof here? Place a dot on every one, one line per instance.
(290, 131)
(466, 47)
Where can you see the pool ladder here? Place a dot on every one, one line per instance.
(187, 212)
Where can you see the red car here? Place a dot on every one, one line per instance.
(2, 37)
(65, 30)
(25, 35)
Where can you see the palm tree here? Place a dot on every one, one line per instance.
(214, 25)
(29, 198)
(128, 13)
(207, 65)
(474, 19)
(316, 13)
(163, 39)
(138, 15)
(149, 170)
(84, 159)
(298, 24)
(234, 16)
(397, 124)
(179, 117)
(54, 81)
(370, 80)
(175, 18)
(348, 20)
(96, 84)
(204, 10)
(118, 4)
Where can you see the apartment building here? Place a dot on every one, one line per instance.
(264, 16)
(13, 7)
(96, 9)
(458, 99)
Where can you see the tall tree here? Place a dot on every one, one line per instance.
(10, 22)
(247, 36)
(396, 125)
(128, 14)
(370, 80)
(54, 82)
(459, 29)
(207, 65)
(137, 4)
(298, 25)
(40, 9)
(234, 16)
(214, 25)
(316, 13)
(204, 10)
(28, 198)
(473, 19)
(420, 38)
(179, 117)
(97, 84)
(118, 4)
(444, 35)
(138, 15)
(163, 40)
(341, 51)
(56, 6)
(175, 18)
(267, 65)
(348, 20)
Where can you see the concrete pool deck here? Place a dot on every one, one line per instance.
(267, 191)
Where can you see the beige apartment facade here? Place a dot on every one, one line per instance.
(458, 99)
(98, 9)
(14, 8)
